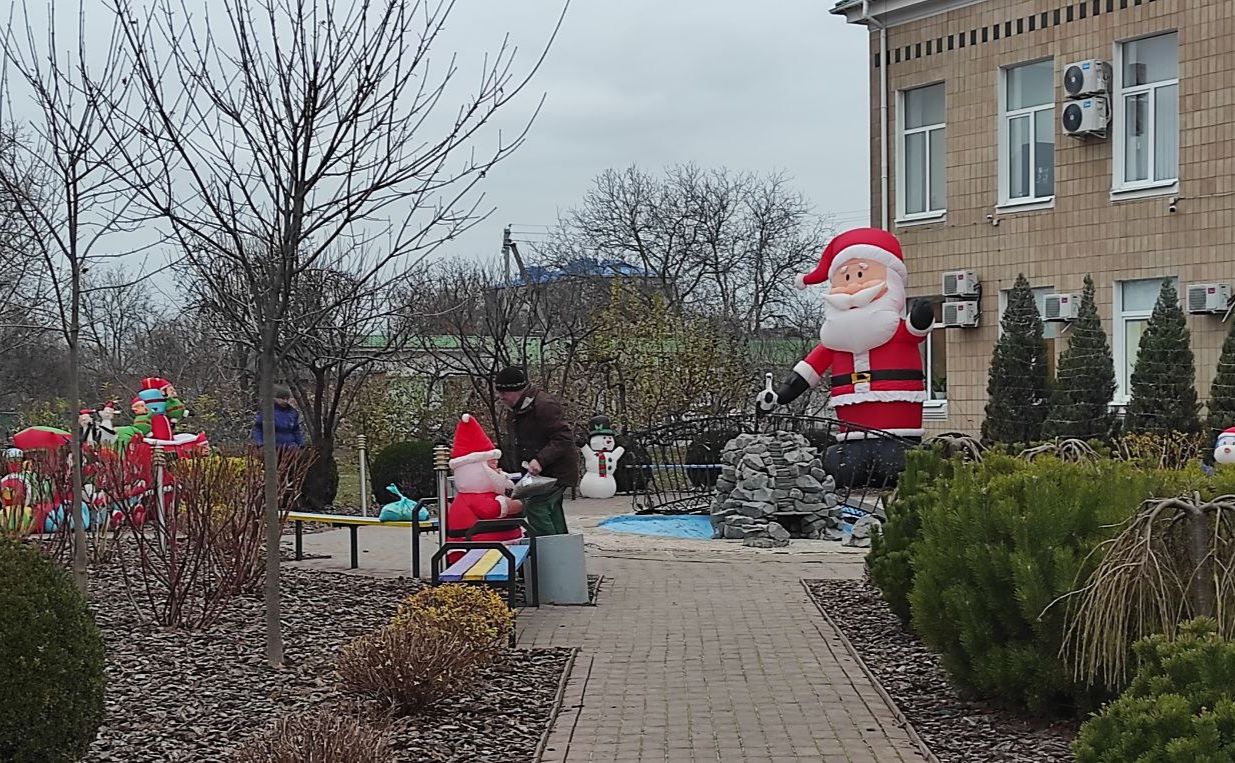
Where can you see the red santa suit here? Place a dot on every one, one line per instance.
(477, 487)
(877, 383)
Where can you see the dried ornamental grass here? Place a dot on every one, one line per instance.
(324, 736)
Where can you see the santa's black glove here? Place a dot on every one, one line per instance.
(791, 389)
(921, 315)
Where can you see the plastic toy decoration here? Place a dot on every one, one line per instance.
(482, 488)
(600, 458)
(1224, 449)
(156, 403)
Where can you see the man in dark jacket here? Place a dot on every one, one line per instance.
(545, 442)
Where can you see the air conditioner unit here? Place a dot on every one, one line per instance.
(1085, 78)
(960, 314)
(1061, 307)
(960, 283)
(1087, 117)
(1208, 298)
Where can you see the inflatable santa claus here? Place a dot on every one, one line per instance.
(480, 487)
(869, 352)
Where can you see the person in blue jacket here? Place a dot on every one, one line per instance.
(287, 431)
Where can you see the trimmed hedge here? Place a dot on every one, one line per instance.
(51, 661)
(406, 464)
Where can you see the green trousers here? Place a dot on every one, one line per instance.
(544, 513)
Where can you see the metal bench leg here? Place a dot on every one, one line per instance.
(299, 540)
(416, 550)
(355, 548)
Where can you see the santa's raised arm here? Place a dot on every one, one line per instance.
(868, 349)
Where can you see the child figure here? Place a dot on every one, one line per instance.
(481, 487)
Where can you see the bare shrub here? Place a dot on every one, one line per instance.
(325, 736)
(408, 665)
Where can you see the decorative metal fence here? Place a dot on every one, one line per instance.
(673, 469)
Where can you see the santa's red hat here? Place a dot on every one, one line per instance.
(472, 445)
(868, 244)
(154, 382)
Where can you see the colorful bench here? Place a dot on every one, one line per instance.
(354, 524)
(491, 562)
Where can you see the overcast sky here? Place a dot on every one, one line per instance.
(757, 86)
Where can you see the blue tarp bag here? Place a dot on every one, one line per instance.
(402, 510)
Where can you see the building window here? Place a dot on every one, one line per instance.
(1050, 329)
(922, 149)
(1147, 113)
(1134, 303)
(935, 362)
(1027, 134)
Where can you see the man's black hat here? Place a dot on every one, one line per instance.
(510, 379)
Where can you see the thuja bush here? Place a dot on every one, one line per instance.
(51, 661)
(890, 559)
(406, 464)
(324, 736)
(1001, 541)
(1180, 705)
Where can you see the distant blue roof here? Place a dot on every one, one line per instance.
(584, 267)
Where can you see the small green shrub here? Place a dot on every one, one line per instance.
(1002, 540)
(406, 464)
(324, 736)
(1180, 705)
(51, 661)
(479, 616)
(890, 558)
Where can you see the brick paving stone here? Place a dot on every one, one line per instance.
(706, 660)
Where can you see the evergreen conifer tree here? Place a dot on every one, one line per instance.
(1162, 398)
(1222, 392)
(1016, 389)
(1084, 378)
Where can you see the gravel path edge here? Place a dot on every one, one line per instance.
(556, 709)
(901, 719)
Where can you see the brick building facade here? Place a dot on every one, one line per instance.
(981, 175)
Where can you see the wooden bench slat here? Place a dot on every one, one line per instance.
(343, 519)
(456, 571)
(500, 571)
(481, 568)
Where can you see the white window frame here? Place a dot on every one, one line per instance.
(1005, 117)
(1119, 334)
(932, 408)
(1003, 305)
(1121, 188)
(901, 133)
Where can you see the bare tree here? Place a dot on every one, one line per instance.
(62, 187)
(285, 137)
(719, 243)
(117, 312)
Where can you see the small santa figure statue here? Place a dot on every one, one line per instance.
(871, 350)
(481, 488)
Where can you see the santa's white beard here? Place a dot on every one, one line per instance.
(479, 478)
(867, 326)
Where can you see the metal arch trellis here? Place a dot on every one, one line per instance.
(672, 469)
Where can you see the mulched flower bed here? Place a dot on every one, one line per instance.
(956, 730)
(177, 696)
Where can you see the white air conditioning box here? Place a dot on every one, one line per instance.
(1208, 298)
(960, 314)
(1085, 78)
(1061, 307)
(1086, 117)
(960, 283)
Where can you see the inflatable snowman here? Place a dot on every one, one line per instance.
(600, 460)
(1224, 449)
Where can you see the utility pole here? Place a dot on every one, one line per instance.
(506, 252)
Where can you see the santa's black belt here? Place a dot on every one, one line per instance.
(866, 377)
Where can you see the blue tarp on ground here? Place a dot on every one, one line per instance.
(682, 526)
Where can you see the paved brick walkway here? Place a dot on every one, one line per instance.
(697, 651)
(692, 660)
